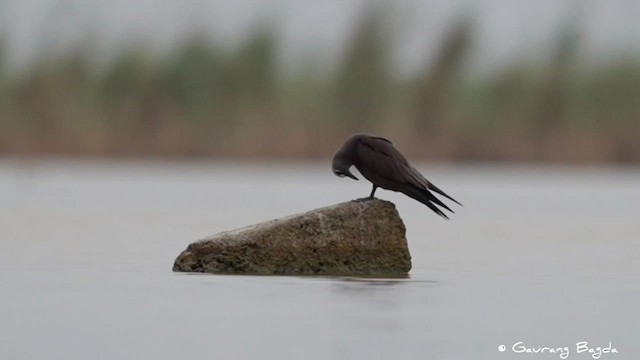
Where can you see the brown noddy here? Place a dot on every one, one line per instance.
(381, 163)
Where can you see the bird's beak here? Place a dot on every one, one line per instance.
(349, 174)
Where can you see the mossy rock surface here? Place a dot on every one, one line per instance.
(355, 238)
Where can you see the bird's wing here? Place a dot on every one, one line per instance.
(379, 155)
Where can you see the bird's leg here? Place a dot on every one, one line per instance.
(373, 191)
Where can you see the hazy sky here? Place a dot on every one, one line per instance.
(319, 29)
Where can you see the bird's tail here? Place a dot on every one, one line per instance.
(427, 198)
(437, 190)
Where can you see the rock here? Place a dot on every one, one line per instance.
(360, 237)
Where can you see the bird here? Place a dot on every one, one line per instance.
(377, 159)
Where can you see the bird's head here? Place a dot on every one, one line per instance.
(341, 165)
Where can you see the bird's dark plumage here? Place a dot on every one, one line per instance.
(381, 163)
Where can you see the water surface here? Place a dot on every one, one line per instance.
(547, 256)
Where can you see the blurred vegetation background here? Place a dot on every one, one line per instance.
(206, 98)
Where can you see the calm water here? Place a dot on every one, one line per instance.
(546, 256)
